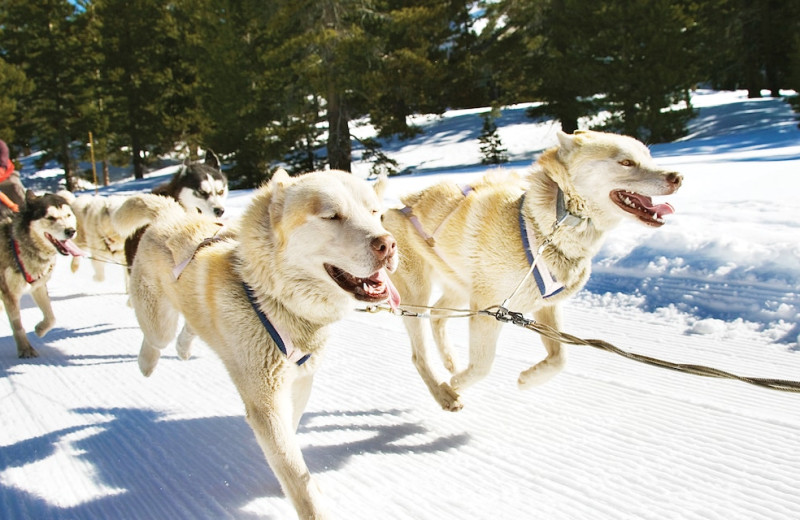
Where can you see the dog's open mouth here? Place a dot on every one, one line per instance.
(376, 288)
(642, 206)
(65, 247)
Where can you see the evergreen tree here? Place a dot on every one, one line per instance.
(650, 65)
(416, 44)
(492, 150)
(42, 39)
(14, 86)
(751, 44)
(143, 76)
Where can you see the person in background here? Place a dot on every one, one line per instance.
(12, 192)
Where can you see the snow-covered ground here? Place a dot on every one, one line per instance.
(84, 436)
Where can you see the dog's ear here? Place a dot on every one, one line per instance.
(380, 185)
(212, 159)
(555, 163)
(280, 176)
(566, 142)
(277, 186)
(30, 196)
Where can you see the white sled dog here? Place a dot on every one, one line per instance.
(98, 235)
(479, 243)
(31, 240)
(262, 296)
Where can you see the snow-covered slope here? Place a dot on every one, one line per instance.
(84, 436)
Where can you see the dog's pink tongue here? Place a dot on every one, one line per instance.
(658, 209)
(72, 248)
(394, 295)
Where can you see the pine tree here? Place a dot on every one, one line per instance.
(14, 86)
(42, 39)
(144, 77)
(492, 150)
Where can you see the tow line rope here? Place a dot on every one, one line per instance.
(100, 259)
(503, 315)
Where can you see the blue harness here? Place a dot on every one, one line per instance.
(273, 332)
(546, 282)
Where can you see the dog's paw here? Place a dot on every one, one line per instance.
(540, 373)
(449, 364)
(448, 398)
(99, 277)
(184, 344)
(148, 359)
(43, 327)
(27, 352)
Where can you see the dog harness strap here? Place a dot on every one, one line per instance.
(563, 216)
(429, 239)
(545, 281)
(286, 347)
(20, 265)
(407, 211)
(178, 269)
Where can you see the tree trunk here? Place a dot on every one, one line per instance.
(69, 181)
(106, 173)
(138, 161)
(339, 146)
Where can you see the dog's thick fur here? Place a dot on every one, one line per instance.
(479, 258)
(198, 186)
(42, 229)
(285, 248)
(98, 236)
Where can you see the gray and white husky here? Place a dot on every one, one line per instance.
(29, 243)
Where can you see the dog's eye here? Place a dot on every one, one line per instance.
(201, 194)
(627, 163)
(51, 218)
(335, 216)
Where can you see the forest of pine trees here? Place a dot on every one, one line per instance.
(280, 81)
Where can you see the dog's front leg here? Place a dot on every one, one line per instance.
(483, 334)
(551, 365)
(24, 348)
(272, 425)
(42, 299)
(99, 270)
(451, 298)
(447, 398)
(184, 343)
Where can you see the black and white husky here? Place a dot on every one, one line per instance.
(197, 186)
(29, 244)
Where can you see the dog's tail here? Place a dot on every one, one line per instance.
(143, 209)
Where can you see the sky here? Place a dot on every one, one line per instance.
(84, 436)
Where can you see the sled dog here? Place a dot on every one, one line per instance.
(262, 296)
(479, 243)
(29, 243)
(197, 186)
(98, 236)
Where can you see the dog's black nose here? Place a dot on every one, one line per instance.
(384, 246)
(69, 232)
(219, 211)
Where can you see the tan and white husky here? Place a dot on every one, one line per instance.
(262, 296)
(478, 243)
(98, 236)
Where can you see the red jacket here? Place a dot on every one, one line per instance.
(6, 164)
